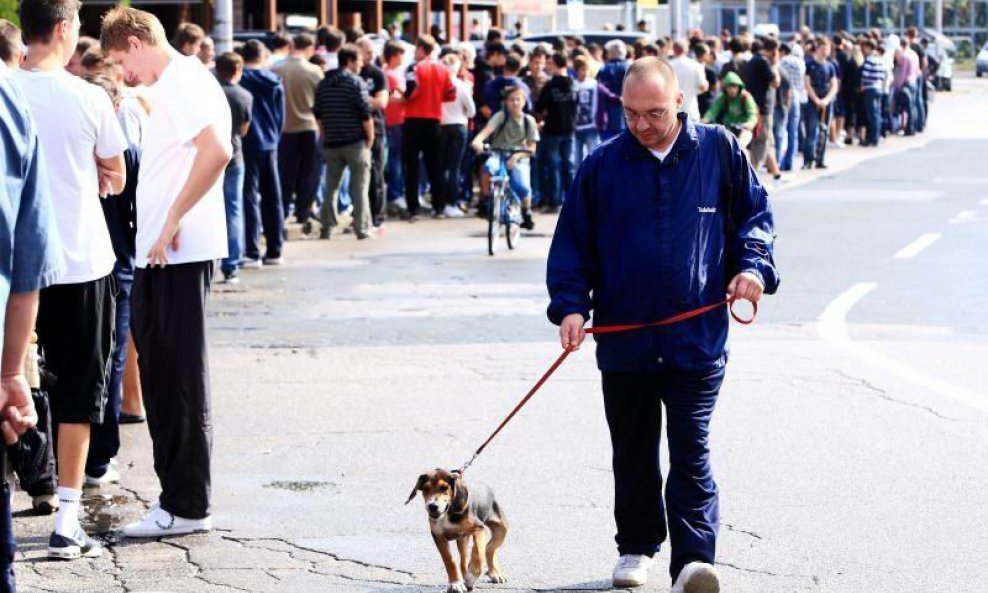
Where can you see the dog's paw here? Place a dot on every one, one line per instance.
(457, 587)
(469, 580)
(496, 577)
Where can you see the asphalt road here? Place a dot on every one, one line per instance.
(849, 442)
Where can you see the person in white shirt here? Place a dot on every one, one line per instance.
(691, 76)
(83, 146)
(456, 114)
(181, 230)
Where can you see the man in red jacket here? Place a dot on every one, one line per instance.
(427, 87)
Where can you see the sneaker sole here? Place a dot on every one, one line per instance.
(64, 553)
(622, 583)
(703, 582)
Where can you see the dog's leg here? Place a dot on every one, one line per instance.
(452, 570)
(463, 545)
(479, 551)
(499, 530)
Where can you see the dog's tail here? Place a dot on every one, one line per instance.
(497, 511)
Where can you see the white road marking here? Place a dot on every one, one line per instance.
(984, 202)
(963, 216)
(917, 246)
(961, 180)
(832, 328)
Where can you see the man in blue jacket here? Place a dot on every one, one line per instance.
(664, 218)
(262, 182)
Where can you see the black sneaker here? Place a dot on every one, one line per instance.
(526, 221)
(324, 233)
(71, 548)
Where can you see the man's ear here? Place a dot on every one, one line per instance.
(418, 486)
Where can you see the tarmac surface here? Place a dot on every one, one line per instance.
(848, 444)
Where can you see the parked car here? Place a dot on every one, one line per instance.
(589, 36)
(981, 63)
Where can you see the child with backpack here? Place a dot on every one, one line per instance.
(511, 129)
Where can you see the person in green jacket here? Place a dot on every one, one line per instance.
(735, 108)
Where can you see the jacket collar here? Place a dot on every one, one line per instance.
(686, 140)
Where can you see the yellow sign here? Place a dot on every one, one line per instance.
(648, 3)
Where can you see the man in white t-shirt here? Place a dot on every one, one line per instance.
(82, 145)
(181, 230)
(691, 76)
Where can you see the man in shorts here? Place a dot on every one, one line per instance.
(82, 145)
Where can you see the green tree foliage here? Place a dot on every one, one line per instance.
(8, 10)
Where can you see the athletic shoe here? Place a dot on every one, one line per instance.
(631, 570)
(453, 212)
(160, 523)
(250, 264)
(274, 261)
(697, 577)
(526, 221)
(71, 548)
(44, 504)
(231, 278)
(111, 476)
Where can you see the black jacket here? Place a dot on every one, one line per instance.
(558, 102)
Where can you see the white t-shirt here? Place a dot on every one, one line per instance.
(75, 121)
(662, 154)
(185, 100)
(690, 75)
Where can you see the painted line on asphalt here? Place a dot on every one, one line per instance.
(963, 216)
(961, 180)
(914, 248)
(832, 328)
(984, 202)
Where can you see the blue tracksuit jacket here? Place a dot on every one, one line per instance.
(639, 240)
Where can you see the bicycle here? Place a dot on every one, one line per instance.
(504, 208)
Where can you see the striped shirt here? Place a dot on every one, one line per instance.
(342, 106)
(873, 74)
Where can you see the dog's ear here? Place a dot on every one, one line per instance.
(418, 486)
(459, 503)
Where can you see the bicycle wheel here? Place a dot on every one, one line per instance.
(494, 221)
(513, 232)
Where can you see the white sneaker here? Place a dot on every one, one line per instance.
(453, 212)
(250, 264)
(112, 476)
(631, 570)
(160, 523)
(697, 577)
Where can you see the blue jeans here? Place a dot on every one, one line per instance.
(519, 178)
(873, 115)
(263, 207)
(633, 405)
(792, 136)
(559, 168)
(779, 121)
(813, 137)
(919, 91)
(233, 192)
(586, 140)
(454, 146)
(904, 102)
(9, 544)
(104, 440)
(395, 178)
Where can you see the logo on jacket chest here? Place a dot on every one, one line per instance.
(707, 209)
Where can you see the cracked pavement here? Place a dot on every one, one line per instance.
(341, 376)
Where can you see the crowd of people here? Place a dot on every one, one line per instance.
(340, 134)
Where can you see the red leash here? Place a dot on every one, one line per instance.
(610, 329)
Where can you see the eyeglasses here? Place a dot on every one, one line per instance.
(655, 116)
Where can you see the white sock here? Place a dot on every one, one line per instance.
(67, 519)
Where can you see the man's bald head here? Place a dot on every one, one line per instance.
(652, 68)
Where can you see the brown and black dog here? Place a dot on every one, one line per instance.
(460, 513)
